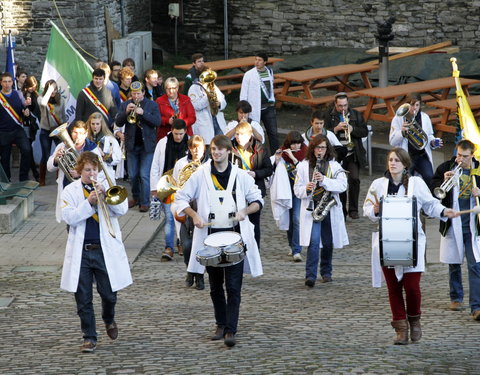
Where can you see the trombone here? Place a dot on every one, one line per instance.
(115, 194)
(102, 206)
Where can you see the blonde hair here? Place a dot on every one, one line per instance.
(104, 130)
(244, 127)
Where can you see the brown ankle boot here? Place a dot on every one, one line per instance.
(415, 328)
(401, 328)
(43, 173)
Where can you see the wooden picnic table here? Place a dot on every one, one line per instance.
(449, 107)
(394, 96)
(315, 78)
(242, 63)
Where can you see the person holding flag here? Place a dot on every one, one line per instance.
(12, 113)
(96, 97)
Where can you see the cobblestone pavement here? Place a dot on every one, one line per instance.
(338, 328)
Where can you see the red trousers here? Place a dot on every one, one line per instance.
(411, 283)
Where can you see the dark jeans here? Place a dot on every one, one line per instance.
(226, 309)
(455, 273)
(139, 164)
(255, 220)
(93, 266)
(46, 144)
(18, 137)
(269, 118)
(323, 231)
(353, 177)
(423, 167)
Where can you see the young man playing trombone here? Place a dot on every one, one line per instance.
(94, 249)
(460, 234)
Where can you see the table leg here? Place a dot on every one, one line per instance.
(368, 110)
(366, 80)
(283, 93)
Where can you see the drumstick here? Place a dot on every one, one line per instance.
(475, 210)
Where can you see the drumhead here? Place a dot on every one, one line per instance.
(208, 252)
(222, 239)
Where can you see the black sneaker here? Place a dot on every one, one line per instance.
(189, 280)
(310, 283)
(199, 282)
(88, 346)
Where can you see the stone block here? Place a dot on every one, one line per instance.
(15, 212)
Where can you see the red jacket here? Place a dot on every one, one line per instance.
(187, 114)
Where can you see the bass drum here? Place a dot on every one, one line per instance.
(398, 231)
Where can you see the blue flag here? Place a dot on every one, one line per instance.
(10, 67)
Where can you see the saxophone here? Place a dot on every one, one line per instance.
(327, 201)
(207, 79)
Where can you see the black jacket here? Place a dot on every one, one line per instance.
(359, 131)
(438, 179)
(259, 160)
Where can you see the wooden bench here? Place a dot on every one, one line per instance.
(237, 86)
(324, 99)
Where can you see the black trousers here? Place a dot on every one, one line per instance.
(353, 190)
(18, 137)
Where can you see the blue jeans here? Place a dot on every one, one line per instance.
(93, 266)
(227, 309)
(18, 137)
(423, 167)
(269, 118)
(455, 276)
(293, 232)
(139, 164)
(321, 230)
(46, 144)
(169, 227)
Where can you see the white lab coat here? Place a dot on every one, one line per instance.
(336, 186)
(280, 194)
(425, 200)
(251, 91)
(332, 138)
(111, 145)
(204, 124)
(452, 250)
(254, 124)
(158, 163)
(52, 168)
(75, 211)
(397, 139)
(246, 191)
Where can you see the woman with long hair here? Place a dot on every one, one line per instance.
(107, 144)
(397, 181)
(320, 180)
(30, 93)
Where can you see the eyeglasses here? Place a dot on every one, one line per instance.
(320, 147)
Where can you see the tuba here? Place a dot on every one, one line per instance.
(68, 160)
(327, 201)
(167, 185)
(207, 79)
(415, 134)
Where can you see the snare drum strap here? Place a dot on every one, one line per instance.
(411, 183)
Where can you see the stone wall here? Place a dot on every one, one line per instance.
(286, 27)
(29, 21)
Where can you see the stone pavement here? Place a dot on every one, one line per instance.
(338, 328)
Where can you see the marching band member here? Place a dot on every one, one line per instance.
(319, 174)
(243, 111)
(285, 205)
(100, 134)
(139, 137)
(79, 133)
(459, 236)
(250, 155)
(168, 150)
(349, 127)
(317, 127)
(398, 181)
(213, 183)
(209, 105)
(422, 161)
(196, 155)
(92, 253)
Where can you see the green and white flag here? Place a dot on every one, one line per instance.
(67, 67)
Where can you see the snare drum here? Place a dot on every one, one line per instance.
(398, 231)
(230, 246)
(209, 256)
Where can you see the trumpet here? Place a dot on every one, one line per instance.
(132, 116)
(102, 206)
(446, 186)
(348, 137)
(415, 134)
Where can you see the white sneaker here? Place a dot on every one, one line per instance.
(297, 257)
(290, 253)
